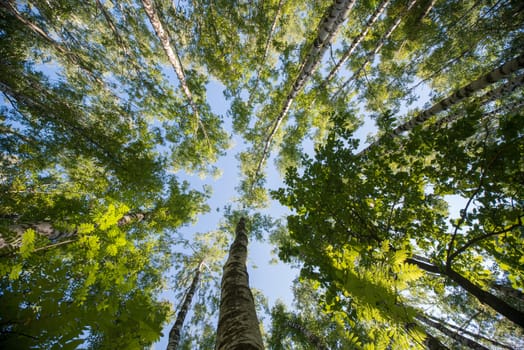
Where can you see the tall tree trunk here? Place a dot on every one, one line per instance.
(46, 229)
(433, 343)
(484, 297)
(327, 30)
(356, 41)
(238, 327)
(497, 93)
(452, 334)
(174, 333)
(492, 77)
(172, 56)
(266, 53)
(378, 47)
(306, 333)
(471, 334)
(66, 54)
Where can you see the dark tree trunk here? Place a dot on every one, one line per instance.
(174, 333)
(452, 334)
(238, 327)
(306, 333)
(484, 297)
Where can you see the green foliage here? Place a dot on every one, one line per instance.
(93, 125)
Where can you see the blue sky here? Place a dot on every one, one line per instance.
(274, 280)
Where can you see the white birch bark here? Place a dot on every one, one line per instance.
(378, 47)
(492, 77)
(238, 327)
(328, 28)
(356, 41)
(172, 55)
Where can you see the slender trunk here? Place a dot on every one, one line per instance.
(433, 343)
(378, 47)
(498, 93)
(427, 10)
(471, 334)
(492, 77)
(508, 291)
(112, 26)
(328, 28)
(238, 327)
(72, 57)
(47, 229)
(311, 338)
(356, 41)
(266, 52)
(172, 55)
(484, 297)
(174, 333)
(453, 335)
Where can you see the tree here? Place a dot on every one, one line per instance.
(238, 326)
(363, 210)
(174, 333)
(104, 103)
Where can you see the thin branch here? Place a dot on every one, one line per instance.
(464, 212)
(482, 237)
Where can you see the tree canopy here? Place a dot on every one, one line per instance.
(411, 236)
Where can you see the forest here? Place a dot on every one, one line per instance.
(376, 147)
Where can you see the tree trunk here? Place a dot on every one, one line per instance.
(311, 338)
(171, 53)
(453, 335)
(492, 77)
(378, 47)
(174, 333)
(471, 334)
(46, 228)
(266, 52)
(371, 21)
(433, 343)
(328, 28)
(72, 57)
(484, 297)
(238, 327)
(494, 94)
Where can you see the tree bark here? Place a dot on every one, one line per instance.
(433, 343)
(484, 297)
(311, 338)
(356, 41)
(471, 334)
(492, 77)
(46, 229)
(172, 55)
(453, 335)
(378, 47)
(174, 333)
(238, 327)
(328, 28)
